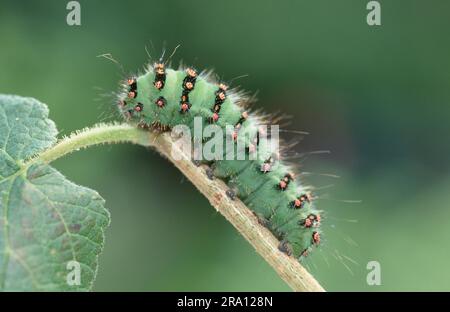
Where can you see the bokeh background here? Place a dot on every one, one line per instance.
(376, 97)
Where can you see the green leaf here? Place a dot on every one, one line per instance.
(46, 221)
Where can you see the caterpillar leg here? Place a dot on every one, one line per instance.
(231, 194)
(285, 247)
(262, 220)
(209, 173)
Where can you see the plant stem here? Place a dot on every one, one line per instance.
(99, 134)
(288, 268)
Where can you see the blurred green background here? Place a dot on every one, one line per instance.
(376, 97)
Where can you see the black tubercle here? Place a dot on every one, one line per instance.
(284, 183)
(132, 94)
(139, 107)
(160, 76)
(185, 107)
(241, 120)
(299, 202)
(266, 166)
(309, 221)
(238, 125)
(160, 102)
(190, 79)
(132, 84)
(221, 96)
(188, 85)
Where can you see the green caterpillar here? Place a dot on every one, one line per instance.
(163, 98)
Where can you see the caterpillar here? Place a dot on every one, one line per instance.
(162, 98)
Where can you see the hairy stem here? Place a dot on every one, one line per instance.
(99, 134)
(289, 269)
